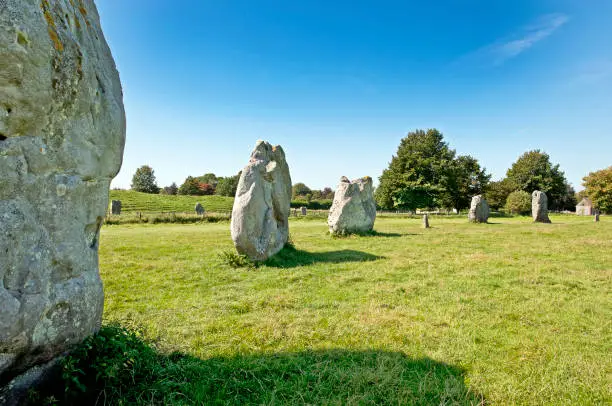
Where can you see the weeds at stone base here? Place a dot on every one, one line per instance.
(235, 260)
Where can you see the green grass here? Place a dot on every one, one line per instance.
(509, 312)
(144, 202)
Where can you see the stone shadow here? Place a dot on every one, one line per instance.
(290, 257)
(332, 376)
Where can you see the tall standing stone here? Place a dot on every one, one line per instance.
(62, 133)
(479, 210)
(425, 221)
(260, 216)
(354, 208)
(199, 209)
(115, 207)
(539, 207)
(304, 210)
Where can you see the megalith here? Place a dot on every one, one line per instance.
(354, 208)
(260, 216)
(62, 133)
(425, 221)
(199, 209)
(539, 207)
(115, 207)
(479, 210)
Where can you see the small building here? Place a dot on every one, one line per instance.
(585, 208)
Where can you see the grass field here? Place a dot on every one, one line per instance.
(151, 203)
(503, 313)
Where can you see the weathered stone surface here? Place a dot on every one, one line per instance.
(539, 207)
(479, 210)
(62, 132)
(596, 217)
(354, 208)
(260, 216)
(199, 209)
(115, 207)
(425, 221)
(304, 210)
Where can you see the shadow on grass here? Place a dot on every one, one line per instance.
(290, 257)
(122, 369)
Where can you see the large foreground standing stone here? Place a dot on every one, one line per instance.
(354, 208)
(260, 217)
(479, 210)
(62, 132)
(539, 207)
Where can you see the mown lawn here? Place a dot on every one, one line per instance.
(153, 203)
(503, 313)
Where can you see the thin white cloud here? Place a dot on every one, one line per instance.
(510, 47)
(593, 73)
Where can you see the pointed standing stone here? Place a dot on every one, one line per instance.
(260, 217)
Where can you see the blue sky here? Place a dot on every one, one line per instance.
(339, 83)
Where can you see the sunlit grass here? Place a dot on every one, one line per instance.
(512, 311)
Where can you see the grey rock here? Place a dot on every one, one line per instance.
(62, 133)
(260, 216)
(199, 209)
(539, 207)
(304, 211)
(115, 207)
(354, 208)
(596, 217)
(479, 210)
(425, 221)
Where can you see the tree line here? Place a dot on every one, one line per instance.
(426, 173)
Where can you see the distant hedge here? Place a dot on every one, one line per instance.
(312, 205)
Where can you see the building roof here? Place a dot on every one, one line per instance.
(585, 202)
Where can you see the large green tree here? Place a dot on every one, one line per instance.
(300, 190)
(425, 172)
(191, 186)
(226, 186)
(462, 179)
(144, 180)
(598, 187)
(497, 193)
(534, 171)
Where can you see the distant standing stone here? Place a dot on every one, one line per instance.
(116, 207)
(260, 217)
(539, 207)
(199, 209)
(304, 210)
(596, 217)
(353, 209)
(479, 210)
(425, 221)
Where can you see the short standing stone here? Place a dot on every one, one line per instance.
(116, 207)
(596, 219)
(354, 208)
(304, 210)
(260, 217)
(479, 210)
(62, 133)
(539, 207)
(425, 221)
(199, 209)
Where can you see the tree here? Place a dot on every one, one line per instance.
(144, 180)
(300, 190)
(598, 187)
(497, 193)
(419, 164)
(209, 178)
(568, 200)
(327, 193)
(462, 179)
(534, 171)
(519, 202)
(226, 186)
(191, 186)
(170, 190)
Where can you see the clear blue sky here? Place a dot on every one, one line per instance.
(339, 83)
